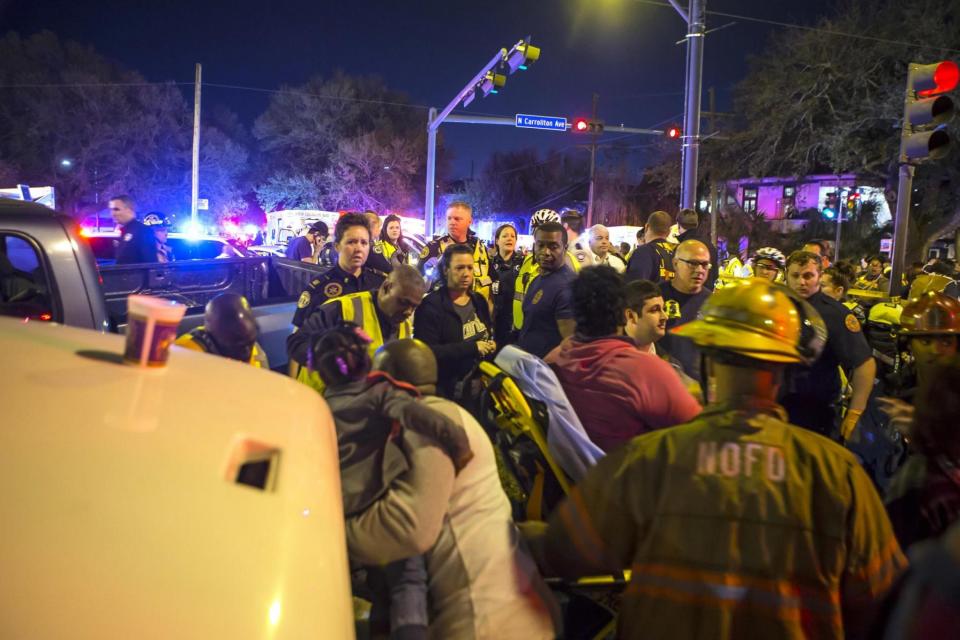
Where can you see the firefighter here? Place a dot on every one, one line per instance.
(229, 330)
(737, 524)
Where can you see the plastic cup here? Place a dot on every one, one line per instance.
(151, 329)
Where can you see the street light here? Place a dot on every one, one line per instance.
(66, 163)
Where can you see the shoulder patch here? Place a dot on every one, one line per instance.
(852, 323)
(537, 296)
(333, 290)
(378, 248)
(425, 252)
(304, 300)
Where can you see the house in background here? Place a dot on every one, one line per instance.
(781, 200)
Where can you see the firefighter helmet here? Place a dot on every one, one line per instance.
(931, 314)
(760, 320)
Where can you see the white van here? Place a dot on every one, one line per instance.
(198, 500)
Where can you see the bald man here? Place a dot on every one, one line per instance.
(682, 297)
(600, 247)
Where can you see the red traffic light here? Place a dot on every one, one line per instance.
(580, 125)
(945, 78)
(673, 133)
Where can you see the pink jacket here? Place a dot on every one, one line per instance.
(618, 391)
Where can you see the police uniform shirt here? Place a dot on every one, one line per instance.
(682, 308)
(328, 255)
(484, 275)
(809, 391)
(376, 258)
(334, 283)
(298, 248)
(137, 244)
(548, 298)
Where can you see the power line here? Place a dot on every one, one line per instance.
(74, 85)
(790, 25)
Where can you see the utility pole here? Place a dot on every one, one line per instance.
(195, 172)
(691, 120)
(841, 205)
(593, 164)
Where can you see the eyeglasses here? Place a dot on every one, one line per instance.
(766, 267)
(696, 263)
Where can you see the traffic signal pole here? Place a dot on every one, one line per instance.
(900, 224)
(691, 119)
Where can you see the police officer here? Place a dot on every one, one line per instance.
(350, 274)
(378, 258)
(229, 330)
(459, 218)
(383, 313)
(811, 396)
(137, 242)
(572, 221)
(714, 517)
(529, 269)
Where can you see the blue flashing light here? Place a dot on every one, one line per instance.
(522, 67)
(829, 214)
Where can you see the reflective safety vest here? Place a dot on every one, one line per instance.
(528, 271)
(359, 309)
(388, 249)
(199, 340)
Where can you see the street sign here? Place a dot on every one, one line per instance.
(550, 123)
(203, 204)
(886, 245)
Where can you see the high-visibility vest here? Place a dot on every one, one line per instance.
(529, 270)
(199, 340)
(357, 308)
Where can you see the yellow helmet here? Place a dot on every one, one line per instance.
(760, 320)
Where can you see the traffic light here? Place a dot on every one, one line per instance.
(926, 111)
(853, 200)
(586, 125)
(673, 132)
(491, 83)
(523, 55)
(829, 210)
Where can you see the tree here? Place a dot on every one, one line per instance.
(344, 142)
(61, 101)
(816, 102)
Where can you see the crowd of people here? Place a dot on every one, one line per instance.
(724, 408)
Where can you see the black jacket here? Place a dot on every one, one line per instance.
(437, 323)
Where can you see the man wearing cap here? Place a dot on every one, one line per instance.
(306, 247)
(572, 221)
(688, 221)
(161, 227)
(736, 524)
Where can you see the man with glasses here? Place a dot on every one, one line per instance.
(682, 297)
(768, 263)
(137, 242)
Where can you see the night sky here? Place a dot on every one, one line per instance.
(622, 49)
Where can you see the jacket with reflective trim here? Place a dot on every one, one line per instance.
(199, 340)
(735, 525)
(359, 308)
